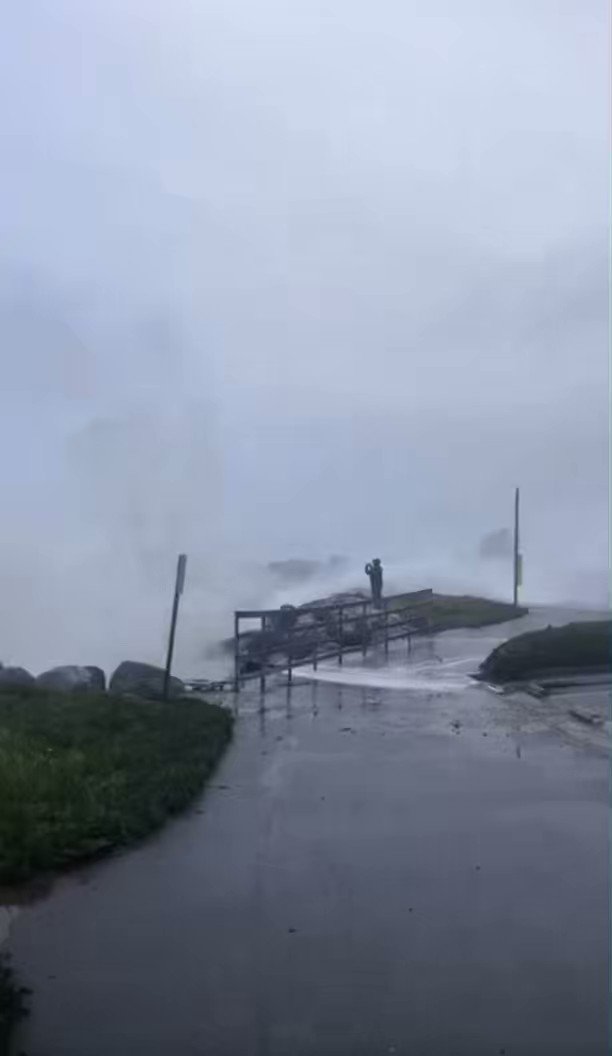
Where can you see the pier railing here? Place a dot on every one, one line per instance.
(293, 637)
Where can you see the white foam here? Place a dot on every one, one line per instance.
(428, 677)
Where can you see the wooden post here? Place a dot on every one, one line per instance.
(178, 590)
(290, 656)
(386, 630)
(517, 558)
(340, 635)
(236, 653)
(364, 640)
(315, 655)
(262, 677)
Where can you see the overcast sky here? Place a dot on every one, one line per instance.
(293, 277)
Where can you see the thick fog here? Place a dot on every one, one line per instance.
(287, 279)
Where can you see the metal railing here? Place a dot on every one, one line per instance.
(292, 637)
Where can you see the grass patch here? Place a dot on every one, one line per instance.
(574, 647)
(463, 610)
(450, 611)
(80, 775)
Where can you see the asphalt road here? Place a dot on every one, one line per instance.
(415, 869)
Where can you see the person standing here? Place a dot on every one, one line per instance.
(375, 572)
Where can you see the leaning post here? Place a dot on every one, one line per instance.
(178, 590)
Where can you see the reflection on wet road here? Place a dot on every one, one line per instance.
(373, 870)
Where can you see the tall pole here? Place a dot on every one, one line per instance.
(517, 556)
(178, 590)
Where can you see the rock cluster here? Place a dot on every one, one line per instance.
(131, 678)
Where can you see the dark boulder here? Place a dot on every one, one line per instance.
(71, 678)
(15, 677)
(143, 680)
(575, 647)
(284, 621)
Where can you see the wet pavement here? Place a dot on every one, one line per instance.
(414, 866)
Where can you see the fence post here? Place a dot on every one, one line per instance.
(340, 634)
(364, 642)
(236, 653)
(262, 677)
(386, 630)
(290, 656)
